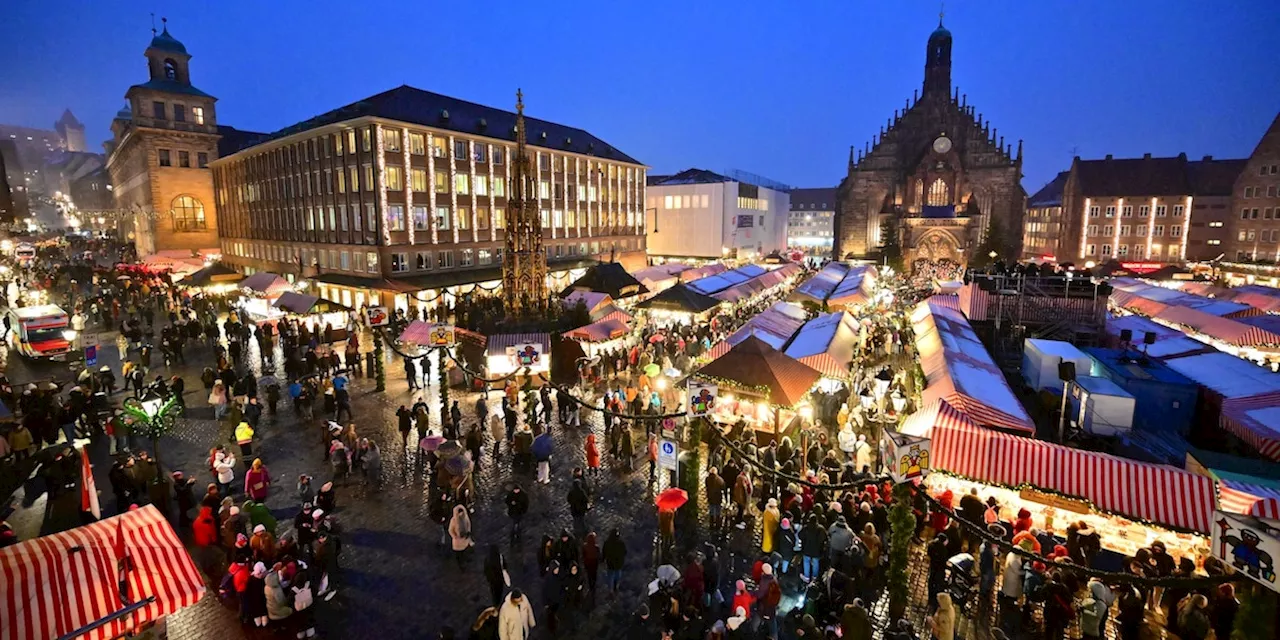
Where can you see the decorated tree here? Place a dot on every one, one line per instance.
(380, 372)
(902, 525)
(152, 426)
(891, 251)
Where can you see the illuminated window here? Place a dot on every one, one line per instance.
(424, 261)
(479, 154)
(442, 218)
(390, 140)
(461, 184)
(486, 257)
(170, 69)
(418, 178)
(482, 186)
(482, 217)
(417, 144)
(1091, 250)
(939, 194)
(395, 217)
(499, 219)
(438, 147)
(442, 182)
(366, 140)
(337, 143)
(499, 185)
(464, 218)
(355, 179)
(544, 189)
(399, 262)
(395, 178)
(467, 255)
(420, 218)
(371, 262)
(188, 214)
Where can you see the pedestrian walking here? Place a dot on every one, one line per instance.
(615, 559)
(517, 502)
(460, 533)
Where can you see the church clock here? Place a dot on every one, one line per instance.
(942, 144)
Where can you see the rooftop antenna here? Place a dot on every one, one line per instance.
(153, 24)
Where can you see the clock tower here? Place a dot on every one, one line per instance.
(937, 174)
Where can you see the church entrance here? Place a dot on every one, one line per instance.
(935, 253)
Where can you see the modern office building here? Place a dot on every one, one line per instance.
(811, 223)
(400, 199)
(705, 215)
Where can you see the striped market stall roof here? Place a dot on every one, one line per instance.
(774, 325)
(53, 585)
(1159, 493)
(601, 331)
(1255, 420)
(1250, 499)
(827, 343)
(266, 283)
(1227, 330)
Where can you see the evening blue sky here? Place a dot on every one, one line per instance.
(781, 89)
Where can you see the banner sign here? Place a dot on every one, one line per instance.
(906, 458)
(702, 399)
(527, 355)
(1247, 544)
(378, 317)
(442, 335)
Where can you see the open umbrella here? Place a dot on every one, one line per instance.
(124, 278)
(542, 446)
(458, 466)
(652, 370)
(449, 449)
(672, 372)
(657, 337)
(671, 499)
(431, 442)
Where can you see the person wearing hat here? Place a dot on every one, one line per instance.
(327, 548)
(515, 618)
(184, 497)
(253, 602)
(263, 544)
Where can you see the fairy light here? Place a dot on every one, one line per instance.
(382, 185)
(408, 185)
(553, 199)
(431, 188)
(453, 189)
(1186, 224)
(1084, 226)
(506, 215)
(1151, 228)
(493, 220)
(577, 194)
(471, 168)
(1115, 240)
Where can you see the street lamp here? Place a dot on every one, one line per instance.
(992, 255)
(899, 401)
(882, 381)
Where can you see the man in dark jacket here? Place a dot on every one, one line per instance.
(813, 542)
(517, 502)
(615, 557)
(972, 510)
(715, 496)
(579, 503)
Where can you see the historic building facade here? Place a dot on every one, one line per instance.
(402, 198)
(938, 174)
(1254, 220)
(810, 225)
(159, 155)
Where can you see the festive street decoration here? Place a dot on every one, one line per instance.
(442, 335)
(702, 398)
(1249, 545)
(906, 457)
(378, 316)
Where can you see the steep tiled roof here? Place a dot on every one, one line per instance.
(171, 86)
(415, 106)
(817, 199)
(1214, 177)
(1050, 195)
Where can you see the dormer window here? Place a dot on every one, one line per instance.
(170, 69)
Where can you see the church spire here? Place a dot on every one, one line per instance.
(524, 272)
(937, 63)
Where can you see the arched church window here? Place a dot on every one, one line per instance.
(939, 194)
(188, 214)
(170, 69)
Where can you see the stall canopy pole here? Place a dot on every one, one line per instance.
(109, 619)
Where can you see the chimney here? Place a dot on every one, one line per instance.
(1207, 159)
(1108, 157)
(1146, 156)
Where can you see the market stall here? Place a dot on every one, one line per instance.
(316, 312)
(607, 277)
(215, 278)
(55, 585)
(1232, 336)
(760, 385)
(680, 303)
(1130, 503)
(1257, 500)
(958, 369)
(261, 289)
(689, 275)
(509, 352)
(828, 343)
(774, 325)
(594, 301)
(1256, 421)
(660, 277)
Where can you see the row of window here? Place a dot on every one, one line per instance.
(1126, 230)
(1256, 192)
(1272, 169)
(444, 259)
(164, 158)
(810, 205)
(342, 260)
(1267, 213)
(159, 111)
(1143, 211)
(1263, 235)
(754, 204)
(1137, 250)
(824, 215)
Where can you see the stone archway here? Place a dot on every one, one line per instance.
(938, 254)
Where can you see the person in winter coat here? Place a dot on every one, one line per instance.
(579, 504)
(515, 618)
(714, 485)
(591, 561)
(873, 545)
(943, 621)
(1023, 523)
(593, 455)
(263, 545)
(1225, 608)
(253, 602)
(495, 573)
(517, 502)
(224, 465)
(769, 526)
(1094, 608)
(327, 498)
(327, 549)
(205, 528)
(460, 533)
(769, 595)
(839, 539)
(257, 481)
(1193, 617)
(615, 558)
(855, 623)
(277, 602)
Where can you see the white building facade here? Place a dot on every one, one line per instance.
(705, 215)
(810, 226)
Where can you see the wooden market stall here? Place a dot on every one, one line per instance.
(760, 385)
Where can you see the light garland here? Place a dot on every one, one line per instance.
(408, 185)
(493, 221)
(1084, 226)
(382, 186)
(1186, 227)
(453, 189)
(1115, 241)
(471, 166)
(552, 193)
(1151, 228)
(431, 188)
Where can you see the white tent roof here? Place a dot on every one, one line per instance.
(1226, 374)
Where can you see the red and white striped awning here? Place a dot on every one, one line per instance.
(1250, 499)
(1255, 420)
(1158, 493)
(53, 585)
(945, 301)
(601, 331)
(1227, 330)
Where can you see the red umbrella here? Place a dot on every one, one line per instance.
(671, 499)
(657, 337)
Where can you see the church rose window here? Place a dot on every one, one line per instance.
(939, 195)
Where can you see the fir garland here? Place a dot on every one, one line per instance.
(380, 371)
